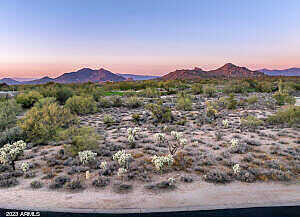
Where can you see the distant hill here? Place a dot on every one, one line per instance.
(282, 72)
(9, 81)
(43, 80)
(87, 74)
(138, 77)
(81, 76)
(228, 70)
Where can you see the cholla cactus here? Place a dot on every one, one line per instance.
(122, 157)
(234, 142)
(87, 175)
(225, 123)
(103, 165)
(160, 137)
(87, 156)
(176, 135)
(162, 161)
(121, 171)
(132, 133)
(182, 142)
(9, 153)
(171, 180)
(24, 167)
(236, 168)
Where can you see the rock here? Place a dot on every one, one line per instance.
(121, 187)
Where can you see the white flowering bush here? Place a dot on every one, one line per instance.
(103, 165)
(236, 168)
(9, 153)
(132, 133)
(225, 123)
(160, 137)
(234, 142)
(86, 157)
(160, 162)
(122, 158)
(121, 171)
(24, 167)
(176, 135)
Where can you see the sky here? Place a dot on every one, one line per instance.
(51, 37)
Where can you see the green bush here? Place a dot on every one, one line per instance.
(27, 100)
(231, 102)
(289, 116)
(209, 90)
(160, 113)
(184, 102)
(116, 101)
(252, 99)
(197, 88)
(44, 101)
(43, 124)
(108, 119)
(283, 97)
(81, 105)
(150, 93)
(63, 94)
(133, 102)
(8, 113)
(11, 135)
(251, 122)
(104, 102)
(82, 139)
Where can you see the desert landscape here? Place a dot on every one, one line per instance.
(153, 137)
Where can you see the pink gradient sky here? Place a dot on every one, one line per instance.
(51, 37)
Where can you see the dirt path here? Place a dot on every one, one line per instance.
(200, 195)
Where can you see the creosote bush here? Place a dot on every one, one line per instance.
(160, 113)
(43, 124)
(209, 90)
(8, 113)
(251, 122)
(81, 105)
(133, 102)
(184, 102)
(28, 99)
(82, 138)
(197, 88)
(289, 116)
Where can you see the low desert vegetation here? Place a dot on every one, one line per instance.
(155, 133)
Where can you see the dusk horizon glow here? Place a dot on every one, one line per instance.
(49, 38)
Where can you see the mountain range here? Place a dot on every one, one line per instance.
(229, 70)
(281, 72)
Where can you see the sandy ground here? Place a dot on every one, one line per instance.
(203, 195)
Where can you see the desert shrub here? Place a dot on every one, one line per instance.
(289, 116)
(265, 86)
(160, 113)
(75, 184)
(231, 102)
(133, 102)
(36, 184)
(8, 113)
(283, 97)
(104, 102)
(252, 99)
(11, 135)
(251, 122)
(42, 124)
(108, 119)
(234, 87)
(209, 90)
(150, 93)
(136, 117)
(8, 182)
(184, 102)
(197, 88)
(27, 100)
(82, 138)
(63, 94)
(81, 105)
(101, 182)
(59, 182)
(116, 101)
(44, 101)
(217, 176)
